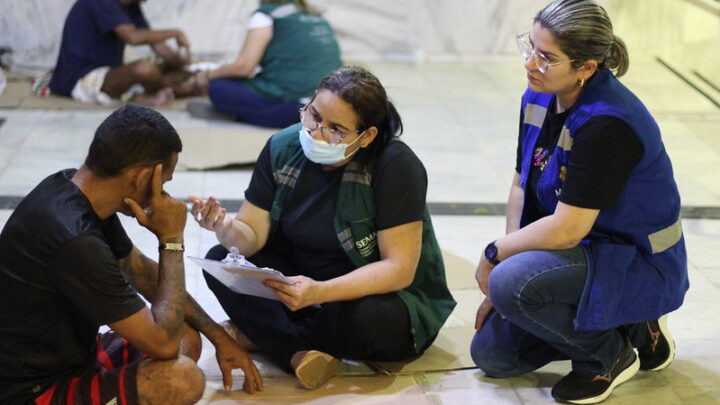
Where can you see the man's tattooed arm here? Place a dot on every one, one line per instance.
(142, 273)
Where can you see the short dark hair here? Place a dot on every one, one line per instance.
(364, 92)
(131, 136)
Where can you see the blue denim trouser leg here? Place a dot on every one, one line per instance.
(538, 292)
(233, 97)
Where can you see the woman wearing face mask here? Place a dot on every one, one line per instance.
(337, 203)
(594, 257)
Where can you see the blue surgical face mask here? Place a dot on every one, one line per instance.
(322, 152)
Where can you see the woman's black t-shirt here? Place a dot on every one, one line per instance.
(605, 151)
(306, 228)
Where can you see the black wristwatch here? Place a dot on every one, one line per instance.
(491, 253)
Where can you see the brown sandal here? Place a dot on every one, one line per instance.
(315, 369)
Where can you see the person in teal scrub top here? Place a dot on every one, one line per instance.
(287, 50)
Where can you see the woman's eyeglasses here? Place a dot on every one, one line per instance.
(330, 135)
(527, 50)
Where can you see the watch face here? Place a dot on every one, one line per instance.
(491, 252)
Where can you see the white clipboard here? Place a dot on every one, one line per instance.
(241, 276)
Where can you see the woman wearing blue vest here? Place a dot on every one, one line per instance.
(337, 203)
(287, 50)
(594, 257)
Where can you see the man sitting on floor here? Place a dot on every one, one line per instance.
(90, 65)
(67, 266)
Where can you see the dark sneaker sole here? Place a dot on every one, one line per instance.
(624, 376)
(662, 323)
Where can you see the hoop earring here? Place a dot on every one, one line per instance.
(581, 82)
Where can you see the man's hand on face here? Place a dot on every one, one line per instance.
(165, 216)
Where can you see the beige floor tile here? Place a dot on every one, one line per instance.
(712, 274)
(691, 395)
(468, 302)
(632, 394)
(701, 287)
(449, 351)
(697, 363)
(459, 272)
(468, 386)
(339, 390)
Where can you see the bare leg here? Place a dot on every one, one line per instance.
(296, 358)
(179, 381)
(161, 87)
(189, 88)
(182, 82)
(120, 78)
(191, 344)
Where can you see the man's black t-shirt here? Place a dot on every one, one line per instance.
(399, 182)
(605, 151)
(59, 281)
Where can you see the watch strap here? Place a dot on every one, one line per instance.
(491, 253)
(175, 247)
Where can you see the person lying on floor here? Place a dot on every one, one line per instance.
(90, 66)
(337, 203)
(67, 267)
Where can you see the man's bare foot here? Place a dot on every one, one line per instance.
(195, 85)
(161, 98)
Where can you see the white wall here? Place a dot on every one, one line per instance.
(415, 30)
(685, 33)
(32, 28)
(366, 29)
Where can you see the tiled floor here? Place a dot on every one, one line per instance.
(461, 121)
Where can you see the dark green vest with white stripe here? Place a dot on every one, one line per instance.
(428, 299)
(302, 51)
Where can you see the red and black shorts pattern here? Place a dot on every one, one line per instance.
(113, 381)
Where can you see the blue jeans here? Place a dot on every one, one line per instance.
(538, 292)
(233, 97)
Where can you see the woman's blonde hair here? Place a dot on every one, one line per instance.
(583, 31)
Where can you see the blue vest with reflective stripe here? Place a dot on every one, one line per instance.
(637, 263)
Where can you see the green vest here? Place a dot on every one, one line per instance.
(428, 299)
(302, 51)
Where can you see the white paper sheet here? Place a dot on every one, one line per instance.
(242, 278)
